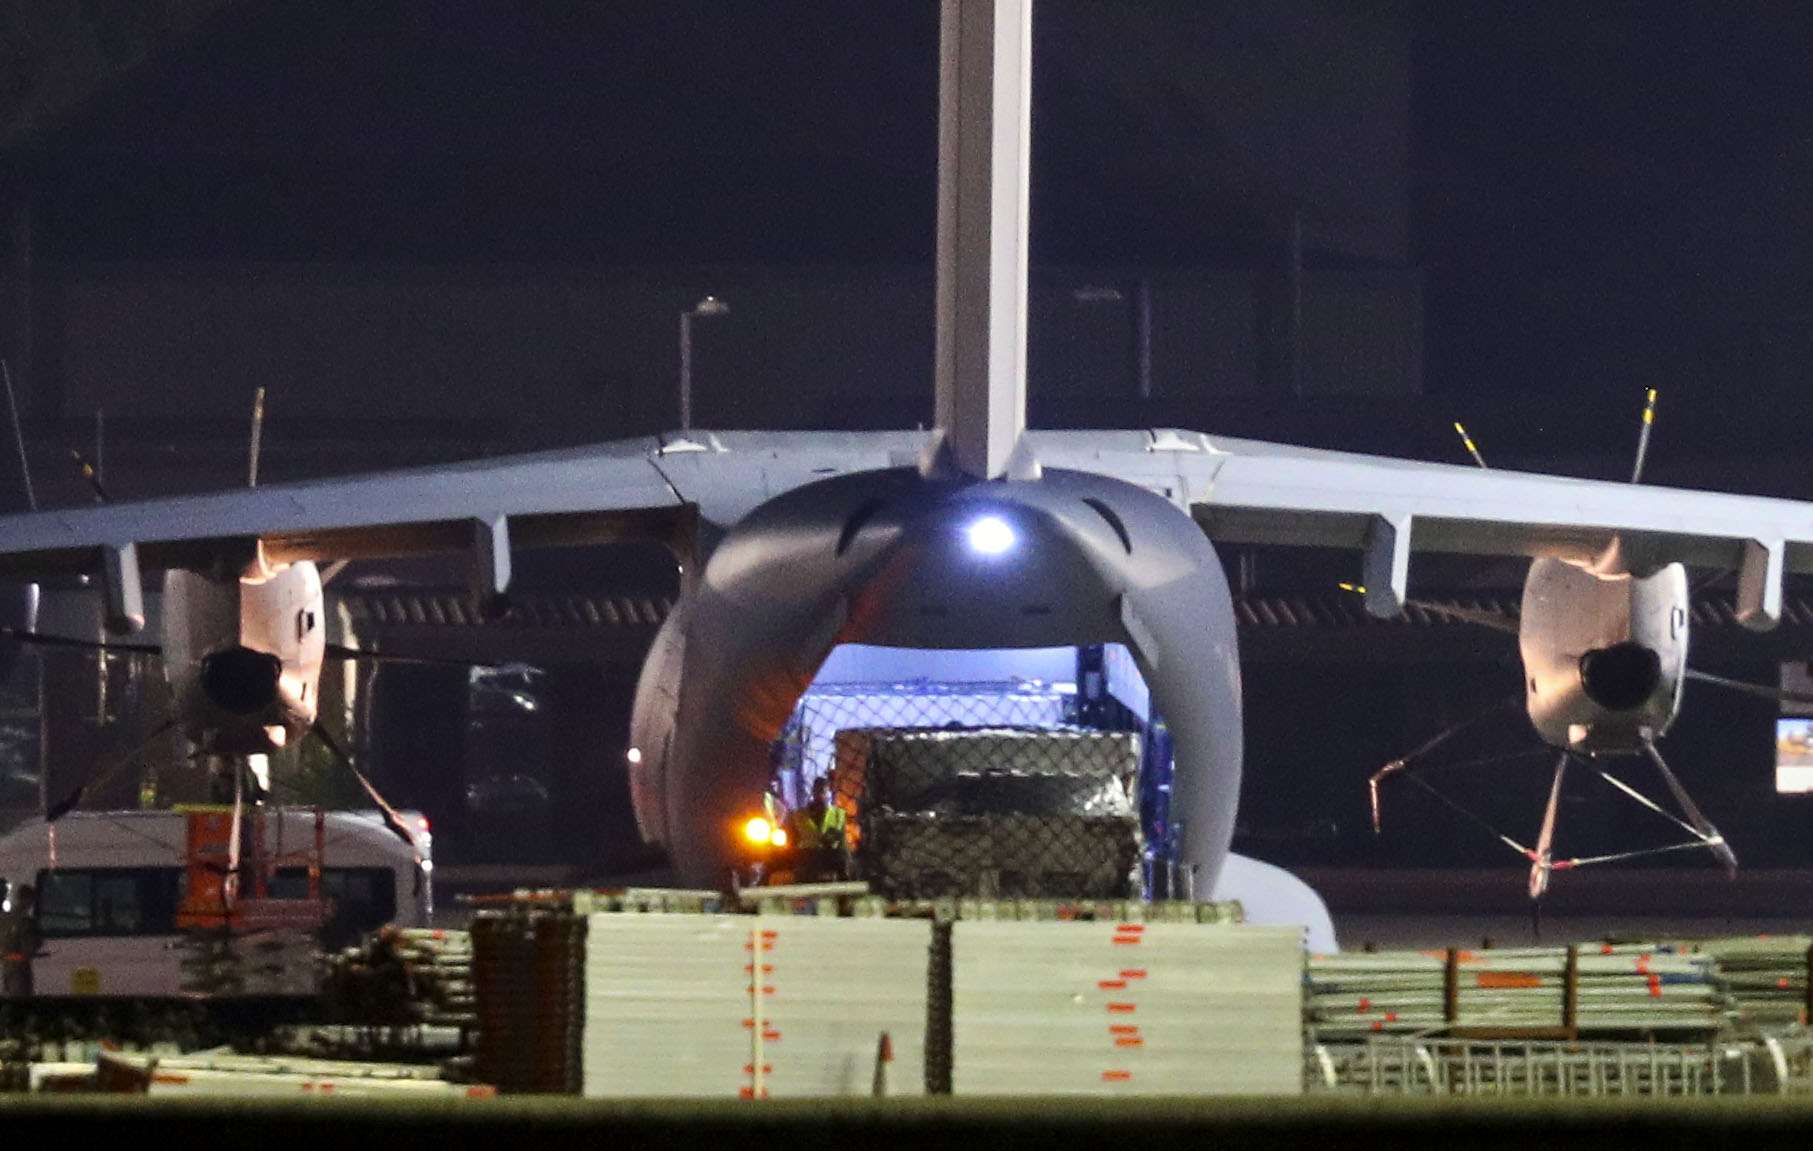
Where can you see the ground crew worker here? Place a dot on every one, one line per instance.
(818, 833)
(18, 942)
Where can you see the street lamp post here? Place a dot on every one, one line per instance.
(705, 308)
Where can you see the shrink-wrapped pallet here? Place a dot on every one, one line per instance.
(993, 812)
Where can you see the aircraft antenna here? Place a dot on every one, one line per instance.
(257, 438)
(12, 407)
(91, 474)
(1467, 440)
(1649, 420)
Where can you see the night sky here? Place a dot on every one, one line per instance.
(1617, 196)
(1601, 197)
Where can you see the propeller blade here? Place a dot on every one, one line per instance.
(1540, 859)
(1708, 833)
(365, 655)
(1372, 786)
(66, 805)
(229, 886)
(392, 820)
(40, 639)
(1744, 687)
(56, 811)
(1427, 746)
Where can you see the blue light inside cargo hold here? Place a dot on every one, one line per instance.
(1095, 686)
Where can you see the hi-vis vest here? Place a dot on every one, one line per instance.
(826, 831)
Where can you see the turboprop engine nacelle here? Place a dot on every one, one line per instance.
(243, 656)
(1604, 656)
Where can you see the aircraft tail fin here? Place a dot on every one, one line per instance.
(984, 133)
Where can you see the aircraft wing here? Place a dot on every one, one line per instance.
(1240, 491)
(592, 493)
(644, 488)
(1245, 491)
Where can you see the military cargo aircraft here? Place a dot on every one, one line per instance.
(976, 533)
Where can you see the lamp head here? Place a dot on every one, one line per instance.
(990, 535)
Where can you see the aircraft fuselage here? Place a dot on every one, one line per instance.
(892, 558)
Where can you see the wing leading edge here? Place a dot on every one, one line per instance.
(1240, 491)
(646, 489)
(556, 498)
(1245, 491)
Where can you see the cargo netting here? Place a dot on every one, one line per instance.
(984, 789)
(808, 746)
(992, 812)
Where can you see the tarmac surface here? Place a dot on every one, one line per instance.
(1443, 908)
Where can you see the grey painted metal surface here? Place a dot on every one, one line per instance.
(883, 558)
(1238, 490)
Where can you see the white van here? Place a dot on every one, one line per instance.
(106, 906)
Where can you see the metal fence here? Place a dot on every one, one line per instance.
(1772, 1065)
